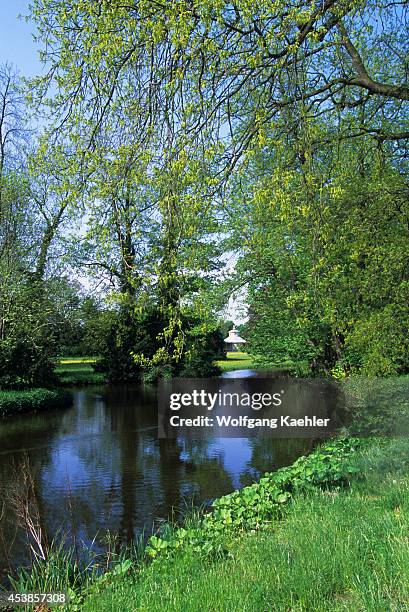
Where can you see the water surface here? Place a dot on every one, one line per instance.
(99, 466)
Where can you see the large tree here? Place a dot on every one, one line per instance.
(325, 255)
(197, 65)
(33, 207)
(313, 93)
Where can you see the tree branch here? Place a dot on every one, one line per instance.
(362, 78)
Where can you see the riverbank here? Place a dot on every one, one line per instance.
(325, 533)
(32, 400)
(356, 471)
(78, 371)
(340, 544)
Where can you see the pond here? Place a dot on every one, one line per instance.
(99, 466)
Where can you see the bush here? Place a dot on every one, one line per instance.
(27, 345)
(127, 333)
(23, 365)
(204, 349)
(136, 347)
(378, 345)
(17, 402)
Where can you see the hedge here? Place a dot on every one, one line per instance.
(32, 400)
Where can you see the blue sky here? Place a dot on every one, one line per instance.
(16, 43)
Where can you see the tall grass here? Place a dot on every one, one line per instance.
(60, 571)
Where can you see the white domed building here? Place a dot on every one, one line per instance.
(233, 341)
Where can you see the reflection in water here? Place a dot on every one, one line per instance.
(99, 465)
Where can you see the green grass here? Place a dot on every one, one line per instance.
(76, 360)
(243, 361)
(342, 553)
(345, 549)
(32, 400)
(235, 361)
(79, 371)
(73, 371)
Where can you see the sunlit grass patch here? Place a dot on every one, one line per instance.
(76, 360)
(235, 361)
(78, 371)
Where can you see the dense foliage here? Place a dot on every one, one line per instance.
(136, 346)
(326, 256)
(276, 132)
(181, 136)
(33, 400)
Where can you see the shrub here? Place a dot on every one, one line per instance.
(136, 345)
(127, 333)
(203, 349)
(378, 345)
(17, 402)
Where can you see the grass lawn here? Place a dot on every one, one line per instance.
(336, 550)
(76, 360)
(78, 371)
(242, 361)
(235, 361)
